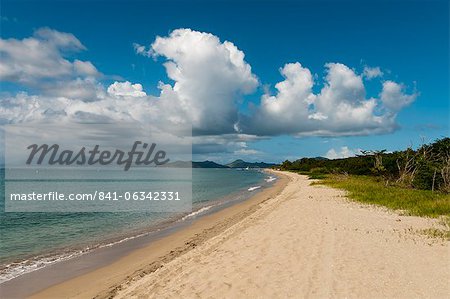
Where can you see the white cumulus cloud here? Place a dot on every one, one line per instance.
(340, 108)
(126, 89)
(285, 111)
(42, 57)
(393, 96)
(343, 152)
(210, 76)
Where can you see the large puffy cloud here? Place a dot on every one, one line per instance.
(341, 107)
(210, 76)
(41, 57)
(342, 101)
(290, 105)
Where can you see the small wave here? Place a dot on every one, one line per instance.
(195, 213)
(270, 179)
(14, 270)
(126, 239)
(254, 188)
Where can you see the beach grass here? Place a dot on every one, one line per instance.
(374, 190)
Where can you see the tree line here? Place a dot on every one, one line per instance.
(427, 167)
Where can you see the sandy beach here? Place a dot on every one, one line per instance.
(292, 240)
(224, 149)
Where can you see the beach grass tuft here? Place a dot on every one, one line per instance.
(374, 190)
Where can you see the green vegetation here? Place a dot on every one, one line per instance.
(426, 168)
(437, 233)
(414, 182)
(242, 164)
(373, 190)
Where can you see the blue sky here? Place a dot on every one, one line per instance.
(407, 40)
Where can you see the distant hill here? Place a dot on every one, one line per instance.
(207, 164)
(190, 164)
(210, 164)
(242, 164)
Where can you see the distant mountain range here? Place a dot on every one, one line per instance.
(242, 164)
(191, 164)
(210, 164)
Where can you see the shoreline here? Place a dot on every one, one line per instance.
(150, 231)
(190, 231)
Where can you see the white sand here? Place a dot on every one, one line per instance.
(308, 241)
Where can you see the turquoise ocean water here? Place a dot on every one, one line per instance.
(29, 241)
